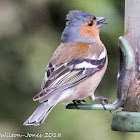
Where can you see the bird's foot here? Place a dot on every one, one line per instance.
(76, 102)
(103, 101)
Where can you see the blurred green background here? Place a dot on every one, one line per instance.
(30, 31)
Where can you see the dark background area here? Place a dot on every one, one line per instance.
(30, 31)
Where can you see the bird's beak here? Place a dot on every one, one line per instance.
(100, 22)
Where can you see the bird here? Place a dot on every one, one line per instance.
(76, 67)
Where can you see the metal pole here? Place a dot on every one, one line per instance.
(129, 79)
(132, 35)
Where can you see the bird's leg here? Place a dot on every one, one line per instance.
(103, 101)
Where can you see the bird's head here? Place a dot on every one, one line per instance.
(82, 27)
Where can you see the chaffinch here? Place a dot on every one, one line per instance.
(76, 67)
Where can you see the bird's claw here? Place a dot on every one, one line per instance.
(103, 101)
(76, 102)
(79, 101)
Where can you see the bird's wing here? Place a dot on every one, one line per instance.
(67, 73)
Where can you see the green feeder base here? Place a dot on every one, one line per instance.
(126, 121)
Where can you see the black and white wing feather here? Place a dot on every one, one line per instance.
(65, 75)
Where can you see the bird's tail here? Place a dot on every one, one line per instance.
(40, 114)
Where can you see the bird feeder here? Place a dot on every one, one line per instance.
(128, 84)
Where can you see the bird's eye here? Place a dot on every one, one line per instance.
(90, 23)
